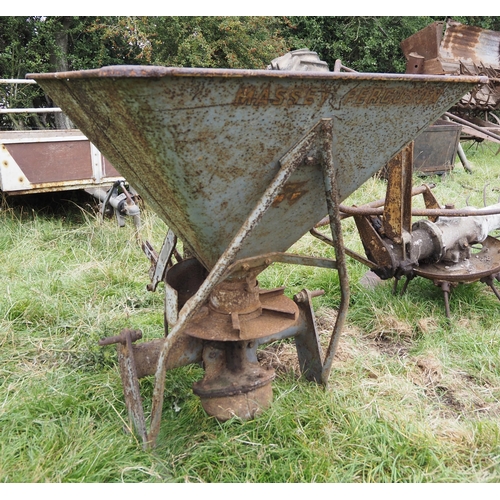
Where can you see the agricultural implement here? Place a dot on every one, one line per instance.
(456, 49)
(240, 164)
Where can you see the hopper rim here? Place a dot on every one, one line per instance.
(146, 71)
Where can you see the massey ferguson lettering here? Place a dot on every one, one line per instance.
(383, 96)
(361, 95)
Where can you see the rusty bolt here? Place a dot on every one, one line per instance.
(122, 338)
(302, 296)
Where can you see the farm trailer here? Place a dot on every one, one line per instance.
(52, 160)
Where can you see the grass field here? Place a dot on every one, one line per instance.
(412, 398)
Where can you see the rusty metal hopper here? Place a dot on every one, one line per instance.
(240, 164)
(201, 146)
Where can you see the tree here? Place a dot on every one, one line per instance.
(203, 42)
(45, 44)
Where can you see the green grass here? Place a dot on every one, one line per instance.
(412, 397)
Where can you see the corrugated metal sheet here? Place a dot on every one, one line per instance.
(471, 45)
(455, 49)
(443, 52)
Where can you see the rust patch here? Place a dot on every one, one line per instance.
(292, 192)
(463, 42)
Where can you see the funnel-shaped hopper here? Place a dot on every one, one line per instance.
(201, 146)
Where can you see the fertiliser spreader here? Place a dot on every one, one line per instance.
(240, 164)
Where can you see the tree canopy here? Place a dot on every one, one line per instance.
(59, 43)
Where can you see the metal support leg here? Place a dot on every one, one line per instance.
(446, 287)
(307, 342)
(489, 281)
(161, 262)
(332, 202)
(130, 381)
(406, 283)
(395, 285)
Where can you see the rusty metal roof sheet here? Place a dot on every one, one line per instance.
(445, 46)
(471, 45)
(454, 49)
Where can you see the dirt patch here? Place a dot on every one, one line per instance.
(427, 325)
(447, 397)
(391, 327)
(391, 336)
(325, 320)
(351, 339)
(427, 372)
(281, 356)
(454, 394)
